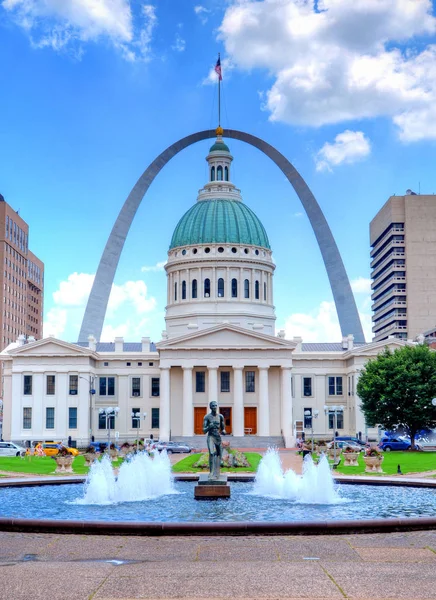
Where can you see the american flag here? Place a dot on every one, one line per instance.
(218, 69)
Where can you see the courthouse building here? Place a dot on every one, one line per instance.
(219, 344)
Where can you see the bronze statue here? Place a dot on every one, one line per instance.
(214, 425)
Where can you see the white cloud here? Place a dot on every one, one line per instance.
(322, 324)
(55, 322)
(297, 215)
(348, 147)
(179, 44)
(361, 285)
(202, 13)
(157, 267)
(69, 24)
(339, 60)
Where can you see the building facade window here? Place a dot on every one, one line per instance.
(207, 288)
(307, 386)
(307, 418)
(102, 422)
(250, 379)
(155, 387)
(226, 173)
(136, 421)
(256, 290)
(107, 386)
(155, 418)
(234, 288)
(200, 381)
(49, 417)
(246, 288)
(136, 386)
(339, 420)
(219, 173)
(220, 287)
(225, 381)
(183, 290)
(335, 386)
(51, 385)
(27, 418)
(194, 288)
(73, 385)
(212, 174)
(27, 391)
(175, 292)
(72, 417)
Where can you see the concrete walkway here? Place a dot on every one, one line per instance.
(397, 566)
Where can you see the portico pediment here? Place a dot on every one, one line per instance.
(226, 337)
(49, 347)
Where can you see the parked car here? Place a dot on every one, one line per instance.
(52, 448)
(347, 444)
(353, 440)
(396, 443)
(97, 446)
(171, 447)
(11, 449)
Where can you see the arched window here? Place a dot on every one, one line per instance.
(234, 288)
(264, 291)
(256, 290)
(220, 287)
(246, 289)
(183, 290)
(175, 292)
(219, 173)
(194, 288)
(212, 174)
(226, 173)
(207, 288)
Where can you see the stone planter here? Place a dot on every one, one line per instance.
(373, 464)
(331, 453)
(64, 464)
(321, 449)
(350, 459)
(89, 458)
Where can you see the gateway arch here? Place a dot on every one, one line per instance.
(343, 296)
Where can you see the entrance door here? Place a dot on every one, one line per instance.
(227, 414)
(250, 420)
(199, 413)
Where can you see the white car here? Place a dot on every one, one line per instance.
(11, 449)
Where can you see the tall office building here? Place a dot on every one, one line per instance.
(22, 280)
(403, 264)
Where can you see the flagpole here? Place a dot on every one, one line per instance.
(219, 97)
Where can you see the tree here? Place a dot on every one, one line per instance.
(397, 388)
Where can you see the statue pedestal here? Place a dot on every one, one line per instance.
(211, 489)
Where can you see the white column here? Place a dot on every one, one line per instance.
(164, 417)
(213, 384)
(188, 409)
(263, 402)
(287, 417)
(238, 402)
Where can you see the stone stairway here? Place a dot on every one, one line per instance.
(248, 441)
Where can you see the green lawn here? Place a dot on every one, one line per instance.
(185, 465)
(410, 462)
(43, 465)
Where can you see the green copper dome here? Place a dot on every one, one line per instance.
(221, 146)
(219, 221)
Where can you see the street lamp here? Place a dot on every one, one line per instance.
(108, 413)
(137, 416)
(308, 413)
(91, 393)
(335, 410)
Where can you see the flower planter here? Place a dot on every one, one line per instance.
(373, 464)
(89, 458)
(350, 459)
(64, 464)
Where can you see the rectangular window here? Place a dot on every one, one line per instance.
(200, 381)
(339, 422)
(250, 381)
(74, 385)
(307, 418)
(49, 417)
(307, 386)
(72, 417)
(225, 381)
(136, 386)
(102, 421)
(107, 386)
(155, 386)
(51, 381)
(155, 418)
(27, 418)
(27, 385)
(136, 421)
(335, 386)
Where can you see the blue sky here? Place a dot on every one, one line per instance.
(93, 90)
